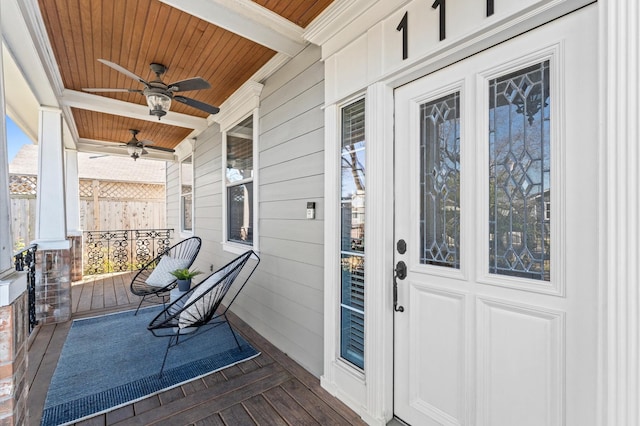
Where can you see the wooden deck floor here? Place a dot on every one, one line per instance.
(270, 389)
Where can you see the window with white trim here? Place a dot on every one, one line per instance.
(239, 180)
(352, 186)
(186, 194)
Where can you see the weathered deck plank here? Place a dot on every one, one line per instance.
(109, 292)
(288, 408)
(262, 412)
(86, 295)
(55, 336)
(121, 284)
(236, 415)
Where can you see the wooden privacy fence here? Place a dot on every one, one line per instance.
(103, 205)
(22, 193)
(121, 205)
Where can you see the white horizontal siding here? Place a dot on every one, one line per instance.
(292, 128)
(285, 304)
(308, 187)
(300, 146)
(300, 230)
(284, 299)
(309, 165)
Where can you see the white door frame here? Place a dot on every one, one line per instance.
(619, 135)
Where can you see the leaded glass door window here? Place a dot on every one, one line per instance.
(519, 173)
(440, 181)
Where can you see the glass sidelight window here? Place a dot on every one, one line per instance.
(440, 182)
(352, 234)
(519, 174)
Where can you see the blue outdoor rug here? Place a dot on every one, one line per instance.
(113, 360)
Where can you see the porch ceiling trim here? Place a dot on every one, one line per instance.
(248, 20)
(339, 15)
(34, 64)
(245, 99)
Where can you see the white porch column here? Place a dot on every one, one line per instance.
(51, 221)
(620, 112)
(54, 256)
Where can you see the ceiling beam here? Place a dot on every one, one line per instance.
(249, 20)
(82, 100)
(111, 148)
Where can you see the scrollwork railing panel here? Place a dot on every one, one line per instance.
(122, 250)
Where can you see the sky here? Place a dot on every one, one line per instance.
(15, 139)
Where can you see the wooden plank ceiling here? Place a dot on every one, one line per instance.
(136, 33)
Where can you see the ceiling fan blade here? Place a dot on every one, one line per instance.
(197, 104)
(144, 151)
(98, 156)
(99, 90)
(160, 148)
(195, 83)
(123, 71)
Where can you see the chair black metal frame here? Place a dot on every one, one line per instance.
(185, 249)
(195, 310)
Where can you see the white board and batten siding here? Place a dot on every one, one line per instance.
(284, 299)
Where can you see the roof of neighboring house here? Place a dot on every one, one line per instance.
(113, 168)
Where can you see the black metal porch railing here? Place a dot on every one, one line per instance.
(26, 260)
(122, 250)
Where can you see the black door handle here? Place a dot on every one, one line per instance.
(400, 274)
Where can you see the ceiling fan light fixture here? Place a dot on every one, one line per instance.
(159, 104)
(134, 151)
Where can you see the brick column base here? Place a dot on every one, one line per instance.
(53, 285)
(76, 257)
(14, 332)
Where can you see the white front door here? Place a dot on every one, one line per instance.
(496, 182)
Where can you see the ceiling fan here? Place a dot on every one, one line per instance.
(159, 94)
(137, 148)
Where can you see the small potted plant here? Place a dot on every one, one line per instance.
(184, 276)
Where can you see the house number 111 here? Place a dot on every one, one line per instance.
(403, 26)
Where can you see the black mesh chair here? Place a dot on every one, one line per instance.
(196, 310)
(154, 278)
